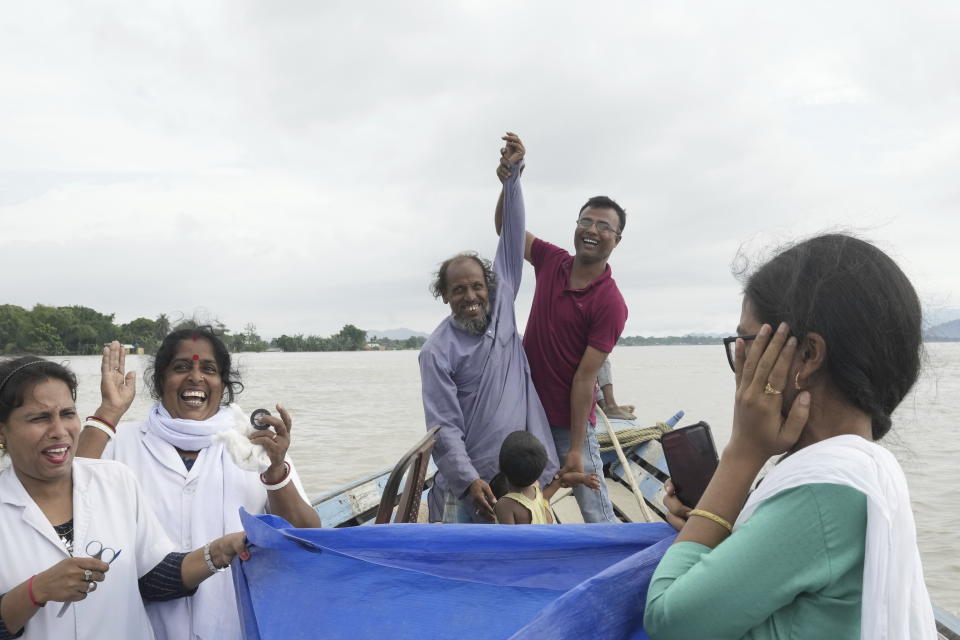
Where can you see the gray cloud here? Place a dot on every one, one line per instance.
(305, 165)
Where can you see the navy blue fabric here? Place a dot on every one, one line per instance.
(165, 581)
(447, 581)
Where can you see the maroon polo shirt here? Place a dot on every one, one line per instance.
(563, 323)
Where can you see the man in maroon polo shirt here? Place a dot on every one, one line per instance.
(575, 321)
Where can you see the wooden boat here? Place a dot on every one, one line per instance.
(358, 502)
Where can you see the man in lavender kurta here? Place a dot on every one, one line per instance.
(475, 376)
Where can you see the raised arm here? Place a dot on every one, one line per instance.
(117, 390)
(285, 500)
(511, 159)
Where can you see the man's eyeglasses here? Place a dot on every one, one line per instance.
(602, 227)
(730, 347)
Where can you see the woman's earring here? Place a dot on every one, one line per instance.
(796, 381)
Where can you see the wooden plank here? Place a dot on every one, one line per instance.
(624, 502)
(645, 462)
(565, 507)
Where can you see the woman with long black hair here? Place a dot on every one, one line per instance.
(828, 344)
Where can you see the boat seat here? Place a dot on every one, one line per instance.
(413, 465)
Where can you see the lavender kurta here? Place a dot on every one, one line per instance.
(478, 388)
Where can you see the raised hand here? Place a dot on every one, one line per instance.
(511, 153)
(118, 387)
(275, 442)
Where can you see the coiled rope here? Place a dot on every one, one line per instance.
(632, 437)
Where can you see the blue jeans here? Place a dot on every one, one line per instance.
(595, 506)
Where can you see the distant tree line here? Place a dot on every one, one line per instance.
(413, 342)
(77, 330)
(350, 338)
(72, 330)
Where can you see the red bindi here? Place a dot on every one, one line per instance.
(196, 357)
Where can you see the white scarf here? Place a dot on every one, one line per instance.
(220, 489)
(895, 604)
(188, 435)
(226, 426)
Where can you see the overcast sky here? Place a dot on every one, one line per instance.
(303, 165)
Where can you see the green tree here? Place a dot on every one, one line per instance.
(140, 333)
(99, 328)
(79, 329)
(161, 327)
(414, 342)
(251, 339)
(246, 340)
(15, 323)
(289, 343)
(44, 339)
(351, 338)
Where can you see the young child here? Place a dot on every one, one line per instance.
(519, 499)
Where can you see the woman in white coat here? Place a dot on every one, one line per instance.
(197, 464)
(56, 511)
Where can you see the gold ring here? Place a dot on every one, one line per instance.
(770, 390)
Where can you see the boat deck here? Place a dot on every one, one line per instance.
(356, 503)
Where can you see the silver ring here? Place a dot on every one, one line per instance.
(91, 586)
(87, 575)
(117, 369)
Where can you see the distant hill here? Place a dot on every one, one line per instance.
(933, 316)
(396, 334)
(946, 332)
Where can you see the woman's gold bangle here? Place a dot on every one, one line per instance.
(712, 516)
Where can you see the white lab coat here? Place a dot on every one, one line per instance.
(108, 506)
(173, 492)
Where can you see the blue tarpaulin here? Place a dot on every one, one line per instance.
(469, 582)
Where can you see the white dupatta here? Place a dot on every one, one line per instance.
(895, 603)
(226, 458)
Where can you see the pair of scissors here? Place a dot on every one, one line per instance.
(95, 549)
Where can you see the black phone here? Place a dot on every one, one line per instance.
(691, 459)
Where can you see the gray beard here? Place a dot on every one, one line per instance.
(473, 327)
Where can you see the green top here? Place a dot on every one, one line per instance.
(793, 571)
